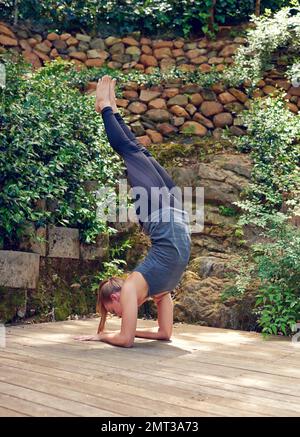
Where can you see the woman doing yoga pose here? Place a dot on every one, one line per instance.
(160, 217)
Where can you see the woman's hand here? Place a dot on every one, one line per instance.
(96, 337)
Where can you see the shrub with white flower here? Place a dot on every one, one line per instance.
(270, 33)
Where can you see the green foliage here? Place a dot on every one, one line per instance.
(273, 142)
(278, 266)
(116, 263)
(269, 34)
(52, 142)
(157, 77)
(125, 16)
(275, 264)
(228, 211)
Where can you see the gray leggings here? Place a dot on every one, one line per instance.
(142, 168)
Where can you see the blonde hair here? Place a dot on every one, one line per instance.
(106, 288)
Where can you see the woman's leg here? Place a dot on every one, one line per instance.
(161, 170)
(141, 172)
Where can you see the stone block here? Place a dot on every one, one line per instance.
(19, 269)
(63, 242)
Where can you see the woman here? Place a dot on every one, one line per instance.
(163, 219)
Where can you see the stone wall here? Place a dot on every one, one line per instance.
(50, 277)
(156, 113)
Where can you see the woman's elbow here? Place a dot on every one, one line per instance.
(166, 336)
(128, 342)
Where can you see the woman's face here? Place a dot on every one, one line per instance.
(114, 306)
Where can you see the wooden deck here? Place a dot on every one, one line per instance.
(202, 372)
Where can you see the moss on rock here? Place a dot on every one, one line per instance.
(11, 302)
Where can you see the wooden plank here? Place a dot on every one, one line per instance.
(182, 335)
(65, 367)
(173, 396)
(5, 412)
(75, 391)
(29, 408)
(56, 402)
(283, 384)
(227, 372)
(206, 358)
(181, 331)
(270, 407)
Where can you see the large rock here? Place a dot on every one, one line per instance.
(19, 269)
(43, 47)
(149, 60)
(167, 64)
(130, 41)
(179, 111)
(211, 108)
(198, 301)
(238, 94)
(218, 265)
(8, 41)
(94, 62)
(194, 128)
(166, 129)
(118, 48)
(4, 30)
(111, 40)
(180, 100)
(81, 56)
(63, 242)
(97, 43)
(133, 51)
(220, 193)
(33, 59)
(238, 163)
(226, 97)
(137, 107)
(158, 115)
(83, 37)
(229, 50)
(223, 119)
(34, 240)
(196, 99)
(147, 95)
(208, 171)
(159, 43)
(203, 120)
(157, 104)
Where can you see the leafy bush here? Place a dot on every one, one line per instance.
(125, 16)
(278, 266)
(273, 267)
(270, 34)
(273, 142)
(52, 143)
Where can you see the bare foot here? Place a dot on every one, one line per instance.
(112, 95)
(102, 93)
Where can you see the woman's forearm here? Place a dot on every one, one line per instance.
(153, 335)
(116, 339)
